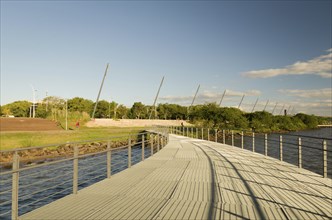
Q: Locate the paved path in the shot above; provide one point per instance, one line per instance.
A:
(194, 179)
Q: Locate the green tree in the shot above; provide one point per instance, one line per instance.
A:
(137, 110)
(233, 118)
(261, 121)
(80, 104)
(5, 110)
(310, 121)
(41, 111)
(122, 112)
(17, 108)
(177, 111)
(102, 109)
(54, 102)
(212, 115)
(112, 109)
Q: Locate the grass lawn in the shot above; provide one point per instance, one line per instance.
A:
(12, 140)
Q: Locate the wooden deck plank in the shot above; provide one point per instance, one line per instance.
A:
(195, 179)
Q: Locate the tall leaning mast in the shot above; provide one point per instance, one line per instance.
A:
(101, 87)
(155, 100)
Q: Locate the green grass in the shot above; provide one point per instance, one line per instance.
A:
(12, 140)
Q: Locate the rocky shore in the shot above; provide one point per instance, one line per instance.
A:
(40, 155)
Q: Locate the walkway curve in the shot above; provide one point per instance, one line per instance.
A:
(195, 179)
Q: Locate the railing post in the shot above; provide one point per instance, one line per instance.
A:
(216, 135)
(208, 134)
(265, 144)
(232, 132)
(143, 146)
(324, 159)
(15, 185)
(300, 152)
(196, 133)
(109, 155)
(192, 132)
(129, 152)
(167, 139)
(151, 140)
(75, 170)
(202, 133)
(223, 137)
(187, 132)
(163, 140)
(242, 141)
(158, 143)
(280, 147)
(253, 141)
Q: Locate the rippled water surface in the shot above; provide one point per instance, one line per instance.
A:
(41, 186)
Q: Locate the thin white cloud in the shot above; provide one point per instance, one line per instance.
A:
(209, 96)
(247, 93)
(320, 66)
(324, 93)
(175, 98)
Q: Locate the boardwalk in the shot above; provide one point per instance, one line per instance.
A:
(194, 179)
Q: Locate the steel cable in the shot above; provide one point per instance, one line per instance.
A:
(6, 191)
(86, 181)
(45, 171)
(54, 186)
(5, 213)
(45, 180)
(5, 203)
(26, 205)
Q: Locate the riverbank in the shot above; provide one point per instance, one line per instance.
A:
(125, 123)
(22, 139)
(41, 155)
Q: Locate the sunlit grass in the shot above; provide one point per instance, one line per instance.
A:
(12, 140)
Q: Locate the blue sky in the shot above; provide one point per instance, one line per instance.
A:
(272, 50)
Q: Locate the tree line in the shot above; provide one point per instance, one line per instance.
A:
(207, 115)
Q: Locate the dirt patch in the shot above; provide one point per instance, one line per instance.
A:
(40, 155)
(134, 123)
(27, 124)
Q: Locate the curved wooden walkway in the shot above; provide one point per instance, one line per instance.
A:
(195, 179)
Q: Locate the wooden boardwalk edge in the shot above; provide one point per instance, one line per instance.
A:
(195, 179)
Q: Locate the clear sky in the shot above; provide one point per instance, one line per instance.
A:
(272, 50)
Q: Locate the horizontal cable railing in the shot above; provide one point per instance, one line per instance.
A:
(309, 152)
(27, 187)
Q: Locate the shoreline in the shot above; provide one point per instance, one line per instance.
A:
(42, 155)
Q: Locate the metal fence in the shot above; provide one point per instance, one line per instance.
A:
(304, 151)
(25, 187)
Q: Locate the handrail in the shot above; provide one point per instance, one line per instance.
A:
(65, 143)
(264, 140)
(81, 172)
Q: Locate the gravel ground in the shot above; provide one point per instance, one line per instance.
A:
(134, 123)
(27, 124)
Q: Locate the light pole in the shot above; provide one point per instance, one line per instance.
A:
(33, 101)
(66, 114)
(46, 101)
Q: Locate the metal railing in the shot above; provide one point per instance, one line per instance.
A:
(24, 188)
(291, 148)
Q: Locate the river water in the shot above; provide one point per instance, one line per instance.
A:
(43, 185)
(312, 142)
(40, 186)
